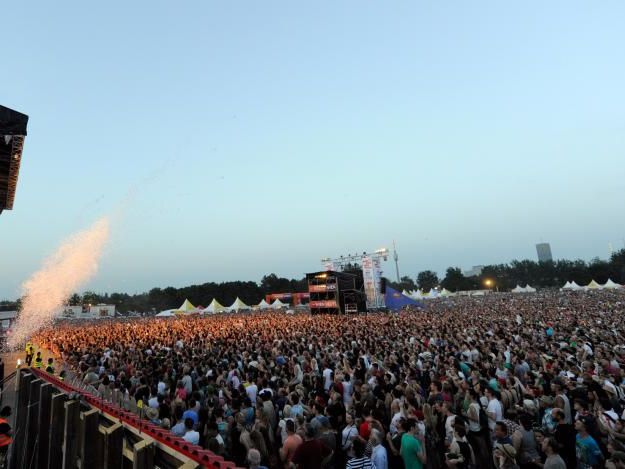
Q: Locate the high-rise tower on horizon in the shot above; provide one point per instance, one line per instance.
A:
(544, 252)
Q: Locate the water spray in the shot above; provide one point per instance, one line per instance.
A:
(45, 293)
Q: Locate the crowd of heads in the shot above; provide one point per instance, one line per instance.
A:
(496, 381)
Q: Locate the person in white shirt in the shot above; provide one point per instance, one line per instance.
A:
(378, 453)
(190, 436)
(494, 410)
(161, 387)
(251, 390)
(327, 378)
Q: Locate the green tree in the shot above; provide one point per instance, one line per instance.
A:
(74, 300)
(427, 280)
(455, 280)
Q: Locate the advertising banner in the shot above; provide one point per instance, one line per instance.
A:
(369, 280)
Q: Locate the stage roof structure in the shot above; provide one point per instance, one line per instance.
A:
(12, 133)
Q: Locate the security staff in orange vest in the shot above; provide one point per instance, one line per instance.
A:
(5, 434)
(38, 361)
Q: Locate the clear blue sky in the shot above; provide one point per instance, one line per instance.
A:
(262, 136)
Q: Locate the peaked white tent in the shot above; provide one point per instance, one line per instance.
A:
(431, 294)
(238, 305)
(186, 308)
(263, 305)
(277, 304)
(406, 293)
(611, 285)
(593, 286)
(167, 313)
(575, 286)
(214, 307)
(567, 286)
(529, 289)
(416, 295)
(445, 292)
(518, 289)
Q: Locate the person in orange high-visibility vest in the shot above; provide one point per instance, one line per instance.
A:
(5, 434)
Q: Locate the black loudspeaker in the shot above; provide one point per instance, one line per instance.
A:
(383, 286)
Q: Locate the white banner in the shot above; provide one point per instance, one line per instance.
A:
(369, 279)
(377, 278)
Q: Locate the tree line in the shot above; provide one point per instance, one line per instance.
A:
(158, 299)
(504, 277)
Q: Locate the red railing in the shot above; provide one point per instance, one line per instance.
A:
(206, 458)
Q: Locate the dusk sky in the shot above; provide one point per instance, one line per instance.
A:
(258, 137)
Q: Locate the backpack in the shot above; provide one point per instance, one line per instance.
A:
(483, 419)
(467, 454)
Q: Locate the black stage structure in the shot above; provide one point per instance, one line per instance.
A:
(12, 133)
(336, 292)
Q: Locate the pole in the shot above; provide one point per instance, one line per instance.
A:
(396, 258)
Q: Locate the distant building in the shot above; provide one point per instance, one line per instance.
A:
(474, 272)
(544, 252)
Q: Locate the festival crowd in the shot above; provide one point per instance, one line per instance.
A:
(501, 381)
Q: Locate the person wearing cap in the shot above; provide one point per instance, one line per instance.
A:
(504, 456)
(587, 450)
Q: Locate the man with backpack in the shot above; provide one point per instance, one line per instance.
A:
(460, 453)
(479, 434)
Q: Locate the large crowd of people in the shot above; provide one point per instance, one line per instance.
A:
(499, 381)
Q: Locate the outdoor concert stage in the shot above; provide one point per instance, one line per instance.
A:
(336, 293)
(12, 133)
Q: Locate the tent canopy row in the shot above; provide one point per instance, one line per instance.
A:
(593, 285)
(433, 293)
(216, 307)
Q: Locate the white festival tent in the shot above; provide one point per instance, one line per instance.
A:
(167, 313)
(518, 289)
(277, 304)
(187, 308)
(238, 305)
(593, 286)
(529, 289)
(406, 293)
(567, 286)
(611, 285)
(445, 292)
(263, 305)
(416, 295)
(430, 295)
(574, 286)
(214, 307)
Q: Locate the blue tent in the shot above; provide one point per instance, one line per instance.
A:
(395, 300)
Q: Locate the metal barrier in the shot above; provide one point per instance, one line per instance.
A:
(206, 458)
